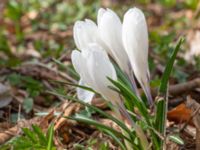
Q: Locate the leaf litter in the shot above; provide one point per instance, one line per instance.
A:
(26, 62)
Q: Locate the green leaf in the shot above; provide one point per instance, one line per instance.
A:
(160, 118)
(122, 77)
(168, 69)
(176, 139)
(60, 64)
(104, 146)
(161, 104)
(14, 79)
(138, 103)
(28, 104)
(76, 85)
(115, 138)
(40, 134)
(127, 93)
(50, 134)
(118, 122)
(30, 134)
(160, 111)
(89, 121)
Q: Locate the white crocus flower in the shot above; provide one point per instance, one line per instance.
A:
(110, 30)
(135, 40)
(94, 66)
(86, 32)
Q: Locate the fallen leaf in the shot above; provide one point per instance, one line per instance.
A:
(180, 114)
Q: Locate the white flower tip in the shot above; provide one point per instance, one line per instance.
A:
(101, 11)
(109, 18)
(89, 22)
(135, 13)
(110, 13)
(74, 54)
(104, 13)
(109, 10)
(78, 24)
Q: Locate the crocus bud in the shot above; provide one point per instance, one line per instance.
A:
(110, 30)
(85, 32)
(94, 66)
(135, 40)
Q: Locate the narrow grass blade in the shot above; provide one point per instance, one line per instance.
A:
(76, 85)
(139, 104)
(122, 77)
(160, 118)
(168, 69)
(162, 101)
(118, 122)
(115, 138)
(81, 118)
(50, 134)
(127, 93)
(176, 139)
(40, 134)
(30, 134)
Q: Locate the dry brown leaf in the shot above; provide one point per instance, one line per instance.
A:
(13, 131)
(179, 114)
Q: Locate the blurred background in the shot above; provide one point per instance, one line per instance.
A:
(40, 32)
(34, 29)
(36, 42)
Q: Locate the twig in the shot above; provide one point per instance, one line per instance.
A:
(181, 87)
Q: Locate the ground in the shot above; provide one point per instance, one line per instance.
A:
(36, 41)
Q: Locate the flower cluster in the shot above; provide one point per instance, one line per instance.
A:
(126, 43)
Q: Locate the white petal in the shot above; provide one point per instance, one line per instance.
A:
(101, 11)
(76, 30)
(76, 58)
(79, 63)
(135, 40)
(83, 94)
(100, 68)
(84, 32)
(110, 29)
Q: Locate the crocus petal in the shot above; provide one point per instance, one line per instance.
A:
(100, 68)
(84, 32)
(101, 11)
(76, 58)
(79, 63)
(110, 29)
(83, 94)
(135, 40)
(94, 66)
